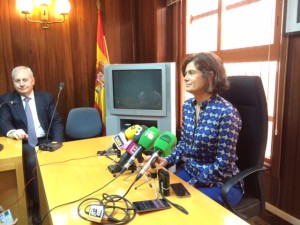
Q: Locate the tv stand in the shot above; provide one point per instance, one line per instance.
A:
(125, 123)
(115, 123)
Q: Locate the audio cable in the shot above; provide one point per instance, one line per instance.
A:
(112, 209)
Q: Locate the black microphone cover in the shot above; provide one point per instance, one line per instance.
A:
(116, 168)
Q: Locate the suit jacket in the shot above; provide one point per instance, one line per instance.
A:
(14, 117)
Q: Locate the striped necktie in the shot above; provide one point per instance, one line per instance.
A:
(32, 139)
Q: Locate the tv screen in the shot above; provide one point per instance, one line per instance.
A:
(140, 93)
(137, 89)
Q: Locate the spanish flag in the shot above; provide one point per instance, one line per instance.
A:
(102, 59)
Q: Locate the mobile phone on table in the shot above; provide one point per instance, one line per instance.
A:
(151, 205)
(180, 190)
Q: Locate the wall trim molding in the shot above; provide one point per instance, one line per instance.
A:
(283, 215)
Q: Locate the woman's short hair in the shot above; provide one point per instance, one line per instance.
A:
(209, 63)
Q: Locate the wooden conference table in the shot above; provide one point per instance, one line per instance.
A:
(75, 171)
(12, 188)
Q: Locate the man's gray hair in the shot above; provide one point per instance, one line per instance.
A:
(21, 69)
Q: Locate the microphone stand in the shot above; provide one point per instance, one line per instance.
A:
(138, 167)
(114, 160)
(52, 146)
(153, 176)
(131, 168)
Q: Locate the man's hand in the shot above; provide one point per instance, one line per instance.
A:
(18, 134)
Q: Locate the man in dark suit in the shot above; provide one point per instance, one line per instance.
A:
(16, 123)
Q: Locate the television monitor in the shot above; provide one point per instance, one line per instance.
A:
(142, 93)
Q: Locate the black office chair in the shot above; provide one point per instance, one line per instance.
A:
(247, 94)
(82, 123)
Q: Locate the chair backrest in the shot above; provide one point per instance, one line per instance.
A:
(247, 94)
(82, 123)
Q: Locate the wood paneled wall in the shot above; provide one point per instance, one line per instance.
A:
(135, 32)
(290, 172)
(64, 52)
(284, 190)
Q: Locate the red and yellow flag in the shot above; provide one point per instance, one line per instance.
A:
(102, 59)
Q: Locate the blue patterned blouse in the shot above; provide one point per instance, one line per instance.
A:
(209, 147)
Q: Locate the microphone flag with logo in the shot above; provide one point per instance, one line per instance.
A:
(163, 146)
(125, 157)
(122, 138)
(145, 143)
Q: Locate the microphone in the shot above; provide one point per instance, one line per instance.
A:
(146, 142)
(121, 139)
(9, 103)
(163, 146)
(53, 145)
(125, 157)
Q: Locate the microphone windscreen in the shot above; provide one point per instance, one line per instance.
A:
(61, 85)
(139, 133)
(149, 137)
(130, 131)
(165, 143)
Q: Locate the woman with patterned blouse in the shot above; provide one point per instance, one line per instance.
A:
(210, 129)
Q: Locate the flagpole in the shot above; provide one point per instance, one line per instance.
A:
(98, 3)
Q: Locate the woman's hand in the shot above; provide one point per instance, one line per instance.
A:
(161, 161)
